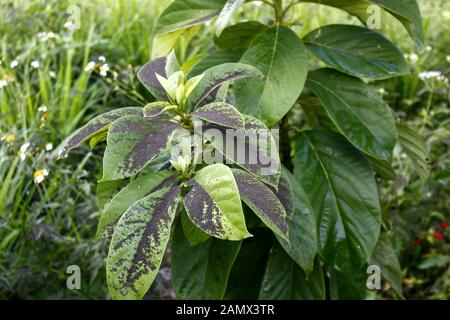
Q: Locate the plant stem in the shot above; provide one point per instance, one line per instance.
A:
(429, 101)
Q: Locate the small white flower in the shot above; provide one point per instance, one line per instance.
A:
(35, 64)
(448, 59)
(104, 70)
(1, 62)
(39, 176)
(90, 66)
(102, 59)
(43, 108)
(429, 49)
(3, 83)
(381, 91)
(414, 58)
(52, 74)
(431, 75)
(14, 64)
(24, 147)
(22, 156)
(69, 25)
(49, 146)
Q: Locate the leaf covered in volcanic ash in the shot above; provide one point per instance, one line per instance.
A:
(139, 242)
(222, 114)
(133, 141)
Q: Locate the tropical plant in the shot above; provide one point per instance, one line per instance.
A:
(302, 223)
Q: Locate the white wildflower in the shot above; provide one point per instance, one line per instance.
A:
(102, 59)
(69, 25)
(3, 83)
(104, 70)
(39, 176)
(90, 66)
(14, 64)
(381, 91)
(46, 36)
(24, 147)
(35, 64)
(22, 156)
(414, 58)
(429, 49)
(49, 146)
(430, 75)
(52, 74)
(43, 108)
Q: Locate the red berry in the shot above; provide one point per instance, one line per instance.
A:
(438, 235)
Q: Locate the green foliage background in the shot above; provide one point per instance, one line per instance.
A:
(48, 226)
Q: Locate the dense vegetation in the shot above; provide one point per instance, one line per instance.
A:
(59, 77)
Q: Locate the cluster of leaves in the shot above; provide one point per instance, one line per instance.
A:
(316, 215)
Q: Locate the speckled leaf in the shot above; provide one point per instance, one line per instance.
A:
(302, 245)
(133, 141)
(357, 110)
(285, 280)
(231, 6)
(213, 204)
(95, 126)
(262, 201)
(138, 244)
(285, 192)
(155, 109)
(341, 187)
(222, 114)
(147, 76)
(192, 233)
(240, 35)
(136, 190)
(217, 76)
(357, 51)
(201, 271)
(281, 56)
(255, 150)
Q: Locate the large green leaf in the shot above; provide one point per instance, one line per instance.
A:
(358, 51)
(133, 141)
(147, 76)
(415, 147)
(192, 233)
(406, 11)
(348, 286)
(136, 190)
(342, 190)
(95, 126)
(201, 271)
(264, 203)
(248, 269)
(253, 149)
(303, 244)
(285, 280)
(179, 16)
(216, 76)
(214, 205)
(231, 6)
(215, 59)
(386, 259)
(357, 110)
(222, 114)
(139, 242)
(240, 35)
(282, 58)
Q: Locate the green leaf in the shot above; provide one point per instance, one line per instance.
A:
(282, 58)
(248, 269)
(133, 141)
(357, 110)
(179, 16)
(406, 11)
(342, 190)
(386, 259)
(201, 271)
(226, 14)
(415, 147)
(222, 114)
(192, 233)
(215, 59)
(262, 201)
(383, 168)
(214, 204)
(348, 287)
(285, 192)
(136, 190)
(240, 35)
(357, 51)
(106, 191)
(95, 126)
(216, 76)
(147, 76)
(172, 64)
(138, 244)
(255, 149)
(156, 109)
(285, 280)
(302, 245)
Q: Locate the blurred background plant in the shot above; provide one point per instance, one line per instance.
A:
(55, 75)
